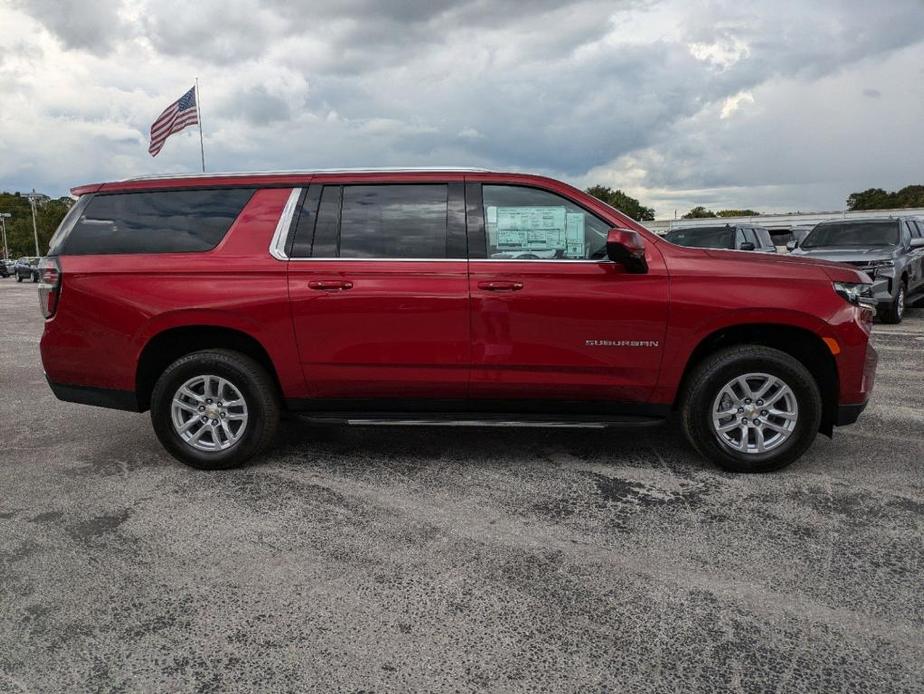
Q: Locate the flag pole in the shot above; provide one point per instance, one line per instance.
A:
(199, 118)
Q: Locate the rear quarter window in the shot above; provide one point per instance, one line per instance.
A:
(180, 221)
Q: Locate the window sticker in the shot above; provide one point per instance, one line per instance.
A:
(532, 229)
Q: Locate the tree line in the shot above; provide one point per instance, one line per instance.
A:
(19, 234)
(870, 199)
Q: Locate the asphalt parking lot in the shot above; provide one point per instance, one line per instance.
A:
(355, 559)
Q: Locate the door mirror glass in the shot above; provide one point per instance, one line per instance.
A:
(627, 248)
(746, 246)
(792, 245)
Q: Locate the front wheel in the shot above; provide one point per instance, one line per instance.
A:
(18, 277)
(751, 409)
(215, 409)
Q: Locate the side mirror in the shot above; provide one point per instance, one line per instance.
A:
(627, 248)
(792, 245)
(917, 243)
(746, 246)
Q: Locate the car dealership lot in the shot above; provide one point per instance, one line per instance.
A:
(395, 558)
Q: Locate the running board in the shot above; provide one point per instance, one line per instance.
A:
(458, 419)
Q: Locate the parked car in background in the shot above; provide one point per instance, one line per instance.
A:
(731, 237)
(797, 235)
(407, 297)
(6, 268)
(891, 251)
(27, 268)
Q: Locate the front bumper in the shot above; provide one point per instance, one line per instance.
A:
(848, 414)
(882, 290)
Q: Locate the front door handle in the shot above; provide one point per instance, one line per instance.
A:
(496, 286)
(330, 285)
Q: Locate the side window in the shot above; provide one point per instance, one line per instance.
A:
(739, 237)
(750, 236)
(528, 223)
(906, 233)
(156, 222)
(764, 237)
(393, 221)
(914, 228)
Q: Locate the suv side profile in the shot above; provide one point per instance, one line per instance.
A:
(736, 237)
(891, 251)
(459, 297)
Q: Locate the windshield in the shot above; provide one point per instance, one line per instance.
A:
(703, 237)
(856, 234)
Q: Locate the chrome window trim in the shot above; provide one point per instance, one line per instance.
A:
(451, 260)
(277, 247)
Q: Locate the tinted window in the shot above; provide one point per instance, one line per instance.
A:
(859, 234)
(703, 237)
(764, 237)
(392, 221)
(160, 222)
(327, 229)
(535, 224)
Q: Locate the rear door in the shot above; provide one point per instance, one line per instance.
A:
(552, 318)
(379, 290)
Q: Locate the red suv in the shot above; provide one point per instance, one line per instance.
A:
(461, 297)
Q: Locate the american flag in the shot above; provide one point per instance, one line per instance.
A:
(178, 115)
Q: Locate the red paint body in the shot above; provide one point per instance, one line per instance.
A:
(453, 329)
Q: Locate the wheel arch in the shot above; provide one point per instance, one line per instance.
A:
(801, 343)
(168, 345)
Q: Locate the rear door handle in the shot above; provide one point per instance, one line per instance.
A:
(330, 285)
(496, 286)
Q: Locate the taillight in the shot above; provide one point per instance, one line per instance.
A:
(49, 285)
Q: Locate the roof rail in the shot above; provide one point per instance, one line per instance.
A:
(308, 172)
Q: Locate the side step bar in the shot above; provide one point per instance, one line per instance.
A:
(460, 419)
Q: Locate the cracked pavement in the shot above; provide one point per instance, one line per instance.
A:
(364, 559)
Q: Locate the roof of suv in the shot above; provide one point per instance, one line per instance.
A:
(282, 178)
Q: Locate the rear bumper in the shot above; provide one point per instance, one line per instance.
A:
(100, 397)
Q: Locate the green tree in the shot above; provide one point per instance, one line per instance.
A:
(699, 212)
(19, 234)
(622, 202)
(879, 199)
(737, 213)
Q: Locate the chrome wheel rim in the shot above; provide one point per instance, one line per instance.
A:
(900, 304)
(209, 413)
(754, 413)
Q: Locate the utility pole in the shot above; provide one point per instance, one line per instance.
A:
(32, 198)
(3, 217)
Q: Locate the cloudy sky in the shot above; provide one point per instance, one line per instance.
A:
(771, 104)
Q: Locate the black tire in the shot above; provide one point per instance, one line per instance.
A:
(255, 385)
(18, 277)
(35, 278)
(720, 368)
(894, 311)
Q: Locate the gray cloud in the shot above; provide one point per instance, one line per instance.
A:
(668, 94)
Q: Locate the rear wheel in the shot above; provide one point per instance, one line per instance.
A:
(895, 311)
(751, 409)
(215, 409)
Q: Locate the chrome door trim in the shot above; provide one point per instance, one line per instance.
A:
(277, 247)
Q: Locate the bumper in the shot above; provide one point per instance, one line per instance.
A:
(100, 397)
(882, 289)
(848, 414)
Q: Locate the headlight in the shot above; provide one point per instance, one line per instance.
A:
(876, 268)
(855, 293)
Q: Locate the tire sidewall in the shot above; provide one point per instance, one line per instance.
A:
(808, 400)
(202, 364)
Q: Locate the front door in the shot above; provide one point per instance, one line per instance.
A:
(552, 319)
(379, 292)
